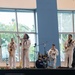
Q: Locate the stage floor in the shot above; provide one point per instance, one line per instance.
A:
(37, 71)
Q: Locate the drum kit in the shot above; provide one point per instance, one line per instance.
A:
(42, 59)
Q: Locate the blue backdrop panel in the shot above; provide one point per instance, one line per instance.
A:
(47, 25)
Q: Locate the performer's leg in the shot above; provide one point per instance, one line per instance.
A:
(70, 59)
(48, 63)
(21, 63)
(54, 63)
(10, 61)
(51, 62)
(27, 58)
(14, 62)
(22, 59)
(66, 59)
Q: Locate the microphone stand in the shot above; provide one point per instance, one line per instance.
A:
(34, 55)
(46, 55)
(44, 44)
(6, 61)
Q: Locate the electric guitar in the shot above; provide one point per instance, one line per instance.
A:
(68, 45)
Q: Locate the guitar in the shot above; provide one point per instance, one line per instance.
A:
(68, 45)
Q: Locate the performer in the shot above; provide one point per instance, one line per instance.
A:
(40, 63)
(69, 46)
(20, 47)
(53, 53)
(11, 49)
(25, 50)
(73, 62)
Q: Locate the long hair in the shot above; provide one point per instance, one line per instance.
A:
(26, 35)
(70, 35)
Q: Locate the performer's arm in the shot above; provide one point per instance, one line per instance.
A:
(57, 52)
(28, 44)
(49, 52)
(15, 46)
(8, 47)
(73, 43)
(65, 45)
(19, 38)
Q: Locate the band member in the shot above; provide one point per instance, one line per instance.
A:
(11, 49)
(69, 46)
(39, 63)
(53, 53)
(25, 50)
(20, 47)
(73, 62)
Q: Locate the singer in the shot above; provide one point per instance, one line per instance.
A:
(25, 41)
(11, 49)
(69, 46)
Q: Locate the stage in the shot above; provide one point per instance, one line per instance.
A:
(40, 71)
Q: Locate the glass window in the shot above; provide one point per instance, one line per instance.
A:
(26, 21)
(65, 23)
(74, 22)
(62, 39)
(7, 19)
(8, 29)
(65, 26)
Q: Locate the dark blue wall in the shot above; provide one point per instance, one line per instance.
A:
(47, 25)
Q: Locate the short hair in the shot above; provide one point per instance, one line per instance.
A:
(53, 44)
(12, 38)
(70, 35)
